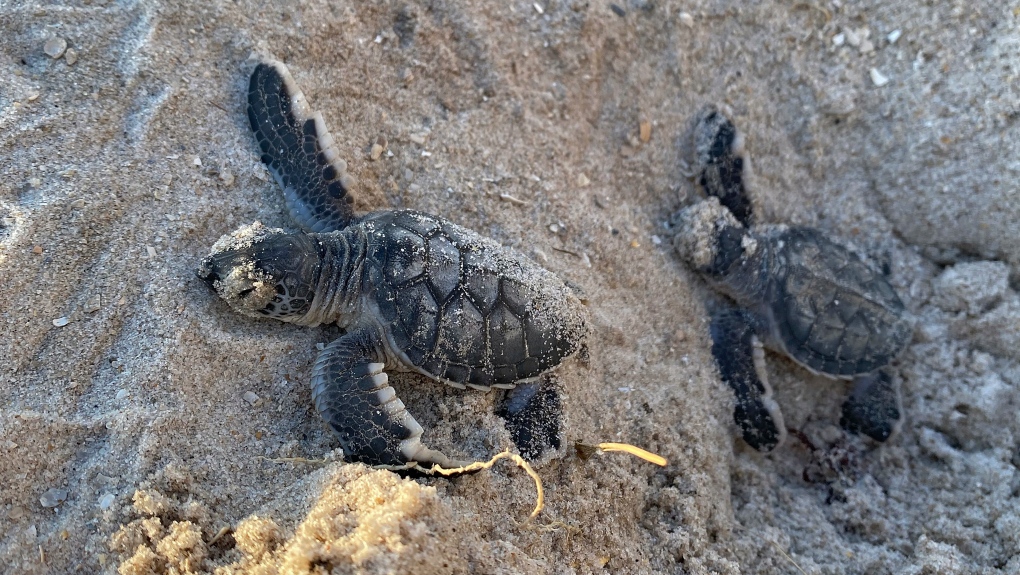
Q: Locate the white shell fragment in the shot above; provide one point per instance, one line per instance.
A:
(61, 321)
(55, 47)
(878, 78)
(53, 497)
(106, 501)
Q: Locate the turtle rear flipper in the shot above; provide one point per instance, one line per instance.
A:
(532, 412)
(352, 394)
(740, 358)
(873, 407)
(298, 150)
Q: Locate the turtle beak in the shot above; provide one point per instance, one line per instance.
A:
(209, 272)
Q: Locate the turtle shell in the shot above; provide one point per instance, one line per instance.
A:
(831, 312)
(462, 308)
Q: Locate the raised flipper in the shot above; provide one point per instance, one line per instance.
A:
(351, 392)
(298, 150)
(720, 168)
(873, 407)
(740, 358)
(532, 413)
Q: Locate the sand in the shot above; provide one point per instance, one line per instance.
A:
(144, 427)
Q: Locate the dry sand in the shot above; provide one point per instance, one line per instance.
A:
(126, 441)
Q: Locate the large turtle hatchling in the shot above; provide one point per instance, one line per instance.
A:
(796, 291)
(411, 291)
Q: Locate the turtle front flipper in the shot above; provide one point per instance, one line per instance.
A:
(298, 150)
(721, 163)
(740, 357)
(873, 407)
(352, 394)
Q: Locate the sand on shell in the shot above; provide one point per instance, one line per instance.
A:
(165, 433)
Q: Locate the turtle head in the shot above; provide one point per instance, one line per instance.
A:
(264, 272)
(710, 239)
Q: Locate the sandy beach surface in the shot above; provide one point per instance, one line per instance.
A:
(146, 428)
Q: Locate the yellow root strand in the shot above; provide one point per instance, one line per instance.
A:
(292, 459)
(436, 468)
(479, 465)
(219, 534)
(788, 558)
(635, 451)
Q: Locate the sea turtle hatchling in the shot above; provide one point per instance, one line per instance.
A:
(796, 291)
(411, 291)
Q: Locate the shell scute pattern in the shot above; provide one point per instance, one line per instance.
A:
(835, 314)
(443, 286)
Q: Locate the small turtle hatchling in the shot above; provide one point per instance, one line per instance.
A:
(411, 291)
(796, 292)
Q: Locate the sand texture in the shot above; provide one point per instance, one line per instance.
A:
(147, 428)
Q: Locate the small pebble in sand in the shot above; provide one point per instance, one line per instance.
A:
(893, 36)
(839, 39)
(61, 322)
(150, 251)
(645, 131)
(853, 37)
(37, 250)
(251, 397)
(538, 8)
(70, 56)
(227, 177)
(53, 497)
(55, 47)
(16, 512)
(686, 19)
(121, 394)
(106, 501)
(376, 152)
(582, 181)
(878, 78)
(94, 303)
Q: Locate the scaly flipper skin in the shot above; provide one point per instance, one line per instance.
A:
(298, 150)
(352, 394)
(873, 407)
(532, 415)
(734, 347)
